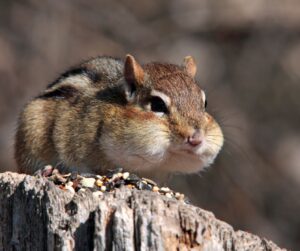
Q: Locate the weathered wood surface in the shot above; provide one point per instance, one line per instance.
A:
(37, 215)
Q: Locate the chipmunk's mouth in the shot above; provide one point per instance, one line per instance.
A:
(203, 152)
(188, 149)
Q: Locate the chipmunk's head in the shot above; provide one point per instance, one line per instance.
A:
(165, 122)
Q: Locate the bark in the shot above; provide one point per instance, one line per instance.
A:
(37, 215)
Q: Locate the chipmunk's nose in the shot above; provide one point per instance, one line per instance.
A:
(196, 138)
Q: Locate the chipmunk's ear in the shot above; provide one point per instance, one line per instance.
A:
(133, 72)
(134, 76)
(189, 65)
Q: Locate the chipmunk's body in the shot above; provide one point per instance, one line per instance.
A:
(107, 113)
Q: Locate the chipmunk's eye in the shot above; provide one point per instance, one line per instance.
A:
(205, 103)
(158, 105)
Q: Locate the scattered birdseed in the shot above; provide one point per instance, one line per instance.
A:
(97, 184)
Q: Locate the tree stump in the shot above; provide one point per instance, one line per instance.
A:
(35, 214)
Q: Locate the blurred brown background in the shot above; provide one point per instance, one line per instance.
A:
(248, 55)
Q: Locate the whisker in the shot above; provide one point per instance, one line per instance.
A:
(213, 139)
(233, 127)
(214, 136)
(241, 150)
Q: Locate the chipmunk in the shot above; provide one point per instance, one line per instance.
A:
(108, 113)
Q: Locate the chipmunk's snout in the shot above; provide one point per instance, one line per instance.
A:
(196, 138)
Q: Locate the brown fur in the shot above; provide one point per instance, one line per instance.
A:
(94, 112)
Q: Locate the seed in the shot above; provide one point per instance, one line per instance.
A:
(103, 188)
(88, 182)
(168, 195)
(99, 183)
(177, 195)
(165, 189)
(180, 197)
(155, 189)
(143, 186)
(125, 175)
(151, 182)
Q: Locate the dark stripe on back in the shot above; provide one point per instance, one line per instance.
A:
(92, 75)
(62, 92)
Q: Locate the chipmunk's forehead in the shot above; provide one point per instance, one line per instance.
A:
(182, 89)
